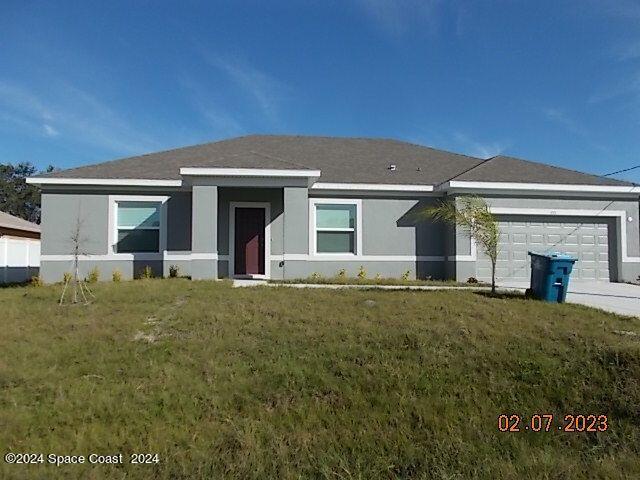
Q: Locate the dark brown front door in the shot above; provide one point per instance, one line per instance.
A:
(249, 241)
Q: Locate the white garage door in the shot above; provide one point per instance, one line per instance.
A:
(584, 238)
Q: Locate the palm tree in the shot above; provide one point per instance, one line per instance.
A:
(473, 215)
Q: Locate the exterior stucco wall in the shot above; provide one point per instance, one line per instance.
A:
(198, 222)
(179, 222)
(60, 216)
(396, 226)
(61, 212)
(391, 227)
(296, 220)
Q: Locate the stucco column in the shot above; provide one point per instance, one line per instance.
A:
(296, 230)
(204, 232)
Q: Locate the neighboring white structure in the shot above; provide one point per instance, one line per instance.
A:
(19, 249)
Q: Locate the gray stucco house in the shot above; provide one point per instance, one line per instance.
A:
(289, 206)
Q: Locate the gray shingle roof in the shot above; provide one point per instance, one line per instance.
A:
(350, 160)
(16, 223)
(509, 169)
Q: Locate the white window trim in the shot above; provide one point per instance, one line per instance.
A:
(113, 226)
(313, 249)
(267, 236)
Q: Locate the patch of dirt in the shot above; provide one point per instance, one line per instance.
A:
(627, 333)
(158, 321)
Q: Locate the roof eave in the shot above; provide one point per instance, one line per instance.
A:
(459, 186)
(126, 182)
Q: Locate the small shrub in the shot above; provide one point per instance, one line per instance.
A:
(146, 273)
(94, 275)
(342, 274)
(378, 277)
(362, 273)
(315, 276)
(406, 275)
(36, 281)
(174, 270)
(66, 277)
(116, 276)
(472, 280)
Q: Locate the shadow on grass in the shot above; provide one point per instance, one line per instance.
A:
(504, 295)
(26, 283)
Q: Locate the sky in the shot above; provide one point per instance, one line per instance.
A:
(552, 81)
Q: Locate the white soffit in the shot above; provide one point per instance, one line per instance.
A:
(248, 172)
(134, 182)
(382, 187)
(542, 187)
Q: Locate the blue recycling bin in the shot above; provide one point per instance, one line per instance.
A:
(550, 276)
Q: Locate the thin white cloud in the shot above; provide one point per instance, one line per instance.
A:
(49, 131)
(628, 51)
(205, 103)
(629, 87)
(479, 149)
(65, 110)
(396, 17)
(559, 117)
(626, 9)
(264, 89)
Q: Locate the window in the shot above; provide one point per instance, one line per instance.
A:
(138, 225)
(336, 227)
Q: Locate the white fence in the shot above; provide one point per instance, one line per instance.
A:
(19, 259)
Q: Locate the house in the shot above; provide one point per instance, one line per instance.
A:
(288, 206)
(19, 249)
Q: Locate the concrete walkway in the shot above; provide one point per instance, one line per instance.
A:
(621, 298)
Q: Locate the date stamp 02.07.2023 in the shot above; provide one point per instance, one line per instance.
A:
(548, 422)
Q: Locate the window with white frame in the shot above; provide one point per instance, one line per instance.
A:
(336, 227)
(138, 227)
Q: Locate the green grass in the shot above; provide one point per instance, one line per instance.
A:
(378, 281)
(286, 383)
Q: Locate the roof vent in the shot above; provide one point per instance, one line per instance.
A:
(391, 167)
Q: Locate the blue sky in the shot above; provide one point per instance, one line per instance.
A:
(554, 81)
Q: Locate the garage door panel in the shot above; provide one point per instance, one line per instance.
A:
(586, 239)
(519, 255)
(571, 240)
(520, 238)
(536, 239)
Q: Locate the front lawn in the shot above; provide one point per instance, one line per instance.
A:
(286, 383)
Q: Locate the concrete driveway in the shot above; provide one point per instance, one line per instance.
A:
(621, 298)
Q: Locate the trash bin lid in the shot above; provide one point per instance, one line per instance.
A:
(554, 255)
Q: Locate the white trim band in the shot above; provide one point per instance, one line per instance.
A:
(380, 187)
(126, 182)
(248, 172)
(113, 257)
(544, 187)
(360, 258)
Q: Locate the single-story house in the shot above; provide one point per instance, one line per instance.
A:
(19, 249)
(290, 206)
